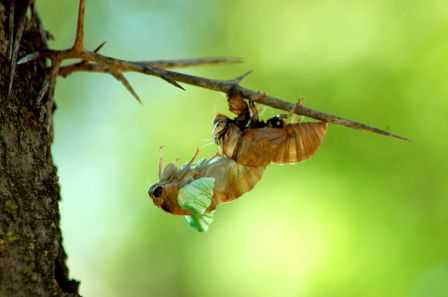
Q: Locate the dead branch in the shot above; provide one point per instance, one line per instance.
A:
(92, 61)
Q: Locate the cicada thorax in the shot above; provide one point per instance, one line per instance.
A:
(270, 142)
(231, 181)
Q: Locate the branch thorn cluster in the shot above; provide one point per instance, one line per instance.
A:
(92, 61)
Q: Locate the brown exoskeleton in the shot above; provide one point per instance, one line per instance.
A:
(225, 179)
(247, 147)
(252, 142)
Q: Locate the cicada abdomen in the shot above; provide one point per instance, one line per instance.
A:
(261, 143)
(231, 178)
(195, 190)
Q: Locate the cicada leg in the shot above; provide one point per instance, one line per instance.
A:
(194, 157)
(238, 106)
(187, 166)
(254, 114)
(294, 118)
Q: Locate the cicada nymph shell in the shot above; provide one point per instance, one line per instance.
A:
(252, 142)
(247, 146)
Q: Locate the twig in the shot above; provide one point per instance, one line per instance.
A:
(182, 63)
(95, 62)
(233, 86)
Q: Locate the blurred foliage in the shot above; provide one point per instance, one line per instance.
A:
(366, 216)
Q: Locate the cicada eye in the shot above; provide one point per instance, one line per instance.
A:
(156, 191)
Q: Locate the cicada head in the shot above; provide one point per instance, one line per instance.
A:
(164, 193)
(164, 196)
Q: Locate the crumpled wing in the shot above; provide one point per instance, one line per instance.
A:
(200, 222)
(197, 196)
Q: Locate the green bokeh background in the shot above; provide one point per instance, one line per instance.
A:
(366, 216)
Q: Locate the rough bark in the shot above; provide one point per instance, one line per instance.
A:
(32, 258)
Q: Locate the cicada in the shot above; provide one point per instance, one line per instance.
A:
(252, 142)
(247, 145)
(196, 189)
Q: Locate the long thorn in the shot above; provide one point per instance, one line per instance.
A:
(119, 76)
(69, 69)
(15, 51)
(99, 47)
(11, 28)
(29, 57)
(163, 76)
(44, 89)
(182, 63)
(79, 41)
(241, 77)
(173, 82)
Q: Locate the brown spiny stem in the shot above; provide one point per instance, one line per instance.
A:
(92, 61)
(181, 63)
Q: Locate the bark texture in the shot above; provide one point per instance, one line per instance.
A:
(32, 258)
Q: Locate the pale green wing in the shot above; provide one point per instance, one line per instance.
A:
(200, 222)
(197, 195)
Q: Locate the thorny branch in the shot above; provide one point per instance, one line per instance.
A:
(92, 61)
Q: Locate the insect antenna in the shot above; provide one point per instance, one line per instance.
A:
(161, 160)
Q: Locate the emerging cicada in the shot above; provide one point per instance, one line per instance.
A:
(247, 146)
(252, 142)
(195, 190)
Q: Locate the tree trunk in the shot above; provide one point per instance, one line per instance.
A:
(32, 258)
